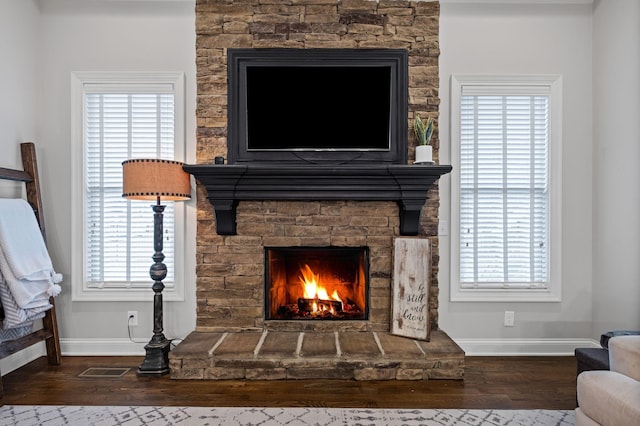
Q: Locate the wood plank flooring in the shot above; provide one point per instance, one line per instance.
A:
(489, 382)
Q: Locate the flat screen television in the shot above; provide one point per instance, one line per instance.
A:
(317, 106)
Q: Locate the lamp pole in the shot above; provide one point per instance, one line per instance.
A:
(156, 361)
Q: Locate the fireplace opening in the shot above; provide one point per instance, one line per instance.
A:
(316, 283)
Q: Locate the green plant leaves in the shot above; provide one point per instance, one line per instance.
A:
(423, 130)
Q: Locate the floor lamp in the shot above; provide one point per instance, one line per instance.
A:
(157, 180)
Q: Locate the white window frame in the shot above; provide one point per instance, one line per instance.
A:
(550, 291)
(81, 290)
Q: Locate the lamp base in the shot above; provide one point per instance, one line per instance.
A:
(156, 361)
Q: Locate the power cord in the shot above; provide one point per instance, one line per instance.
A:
(129, 330)
(173, 345)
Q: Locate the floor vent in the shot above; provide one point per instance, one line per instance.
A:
(104, 372)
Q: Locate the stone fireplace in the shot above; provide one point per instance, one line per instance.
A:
(247, 329)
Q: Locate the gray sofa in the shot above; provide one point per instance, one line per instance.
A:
(612, 397)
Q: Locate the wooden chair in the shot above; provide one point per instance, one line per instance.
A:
(49, 331)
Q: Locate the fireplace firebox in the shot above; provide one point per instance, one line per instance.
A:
(316, 283)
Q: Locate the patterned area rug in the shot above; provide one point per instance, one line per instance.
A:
(209, 416)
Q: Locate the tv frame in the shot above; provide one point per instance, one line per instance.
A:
(237, 144)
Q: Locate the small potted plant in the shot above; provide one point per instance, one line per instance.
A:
(423, 131)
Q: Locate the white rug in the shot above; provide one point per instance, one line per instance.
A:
(28, 415)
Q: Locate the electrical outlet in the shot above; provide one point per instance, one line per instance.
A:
(509, 318)
(443, 228)
(132, 318)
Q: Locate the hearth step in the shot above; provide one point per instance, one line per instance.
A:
(279, 355)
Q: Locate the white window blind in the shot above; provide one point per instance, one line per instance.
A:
(138, 123)
(504, 196)
(504, 191)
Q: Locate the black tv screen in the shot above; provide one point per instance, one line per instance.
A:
(317, 105)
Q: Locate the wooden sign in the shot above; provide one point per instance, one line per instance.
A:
(411, 271)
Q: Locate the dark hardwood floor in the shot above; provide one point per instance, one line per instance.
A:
(490, 382)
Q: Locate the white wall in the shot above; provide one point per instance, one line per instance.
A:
(526, 38)
(616, 180)
(19, 36)
(19, 106)
(76, 35)
(110, 36)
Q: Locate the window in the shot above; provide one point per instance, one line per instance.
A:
(117, 117)
(505, 190)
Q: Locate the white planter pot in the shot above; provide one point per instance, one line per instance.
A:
(424, 154)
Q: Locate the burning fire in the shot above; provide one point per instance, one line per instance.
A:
(313, 290)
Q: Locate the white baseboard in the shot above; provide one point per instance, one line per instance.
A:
(74, 347)
(102, 347)
(524, 347)
(471, 347)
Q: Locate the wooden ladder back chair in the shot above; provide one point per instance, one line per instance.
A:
(49, 330)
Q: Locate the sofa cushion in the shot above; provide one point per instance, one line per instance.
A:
(609, 398)
(583, 420)
(624, 356)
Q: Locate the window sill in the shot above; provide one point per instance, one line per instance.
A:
(501, 295)
(125, 294)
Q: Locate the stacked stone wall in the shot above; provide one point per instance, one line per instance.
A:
(230, 287)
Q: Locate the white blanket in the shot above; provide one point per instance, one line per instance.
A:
(25, 266)
(22, 242)
(15, 318)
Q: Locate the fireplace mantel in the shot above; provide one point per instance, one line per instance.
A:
(227, 184)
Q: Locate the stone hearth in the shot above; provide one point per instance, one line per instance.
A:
(278, 355)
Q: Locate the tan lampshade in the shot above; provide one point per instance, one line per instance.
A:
(148, 179)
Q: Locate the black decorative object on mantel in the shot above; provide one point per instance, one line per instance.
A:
(408, 185)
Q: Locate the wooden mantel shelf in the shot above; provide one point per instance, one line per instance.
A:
(227, 184)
